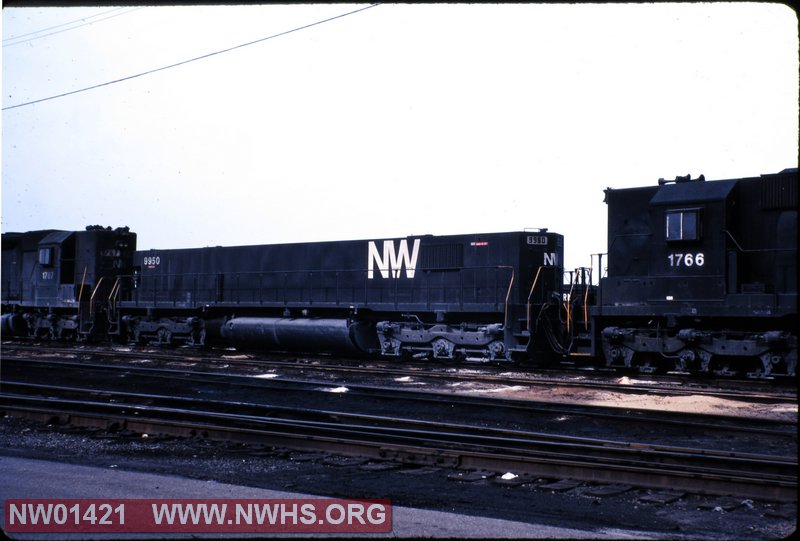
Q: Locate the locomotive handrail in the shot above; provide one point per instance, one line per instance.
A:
(582, 275)
(530, 295)
(626, 235)
(113, 294)
(508, 294)
(262, 286)
(568, 307)
(91, 298)
(586, 302)
(302, 271)
(614, 240)
(83, 282)
(751, 250)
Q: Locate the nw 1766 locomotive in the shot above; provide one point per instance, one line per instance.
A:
(702, 276)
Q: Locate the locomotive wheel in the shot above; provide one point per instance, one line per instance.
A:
(164, 336)
(457, 358)
(646, 367)
(722, 368)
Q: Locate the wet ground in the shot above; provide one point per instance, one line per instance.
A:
(597, 414)
(552, 502)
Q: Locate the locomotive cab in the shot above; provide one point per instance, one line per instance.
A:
(64, 281)
(687, 252)
(702, 277)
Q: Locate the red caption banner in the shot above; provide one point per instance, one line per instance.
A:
(198, 515)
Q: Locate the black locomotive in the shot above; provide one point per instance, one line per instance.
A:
(702, 276)
(446, 297)
(54, 283)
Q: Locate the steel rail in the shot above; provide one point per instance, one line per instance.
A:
(305, 415)
(766, 477)
(705, 421)
(484, 378)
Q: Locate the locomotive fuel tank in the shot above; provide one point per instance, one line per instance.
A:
(325, 335)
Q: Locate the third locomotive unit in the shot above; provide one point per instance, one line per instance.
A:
(701, 277)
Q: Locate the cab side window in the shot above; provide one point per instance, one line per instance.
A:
(46, 256)
(683, 225)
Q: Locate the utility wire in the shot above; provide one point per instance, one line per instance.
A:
(82, 19)
(18, 39)
(191, 59)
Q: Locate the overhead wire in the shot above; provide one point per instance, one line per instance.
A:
(17, 40)
(12, 38)
(195, 59)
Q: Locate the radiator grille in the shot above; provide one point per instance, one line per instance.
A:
(779, 192)
(443, 256)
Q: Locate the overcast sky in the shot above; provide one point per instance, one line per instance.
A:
(392, 121)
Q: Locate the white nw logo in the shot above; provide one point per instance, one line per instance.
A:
(392, 261)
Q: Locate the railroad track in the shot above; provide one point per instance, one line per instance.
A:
(388, 437)
(418, 442)
(347, 370)
(385, 400)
